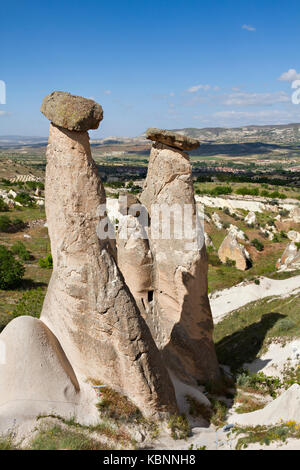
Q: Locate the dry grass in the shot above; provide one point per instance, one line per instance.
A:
(58, 438)
(248, 403)
(118, 407)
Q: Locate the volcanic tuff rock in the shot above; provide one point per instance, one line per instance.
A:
(294, 236)
(72, 112)
(178, 310)
(232, 250)
(290, 258)
(208, 241)
(250, 218)
(88, 305)
(217, 220)
(295, 214)
(237, 233)
(36, 377)
(172, 139)
(135, 260)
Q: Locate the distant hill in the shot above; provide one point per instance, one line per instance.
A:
(14, 141)
(267, 134)
(281, 133)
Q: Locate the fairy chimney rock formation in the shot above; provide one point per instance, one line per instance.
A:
(178, 312)
(232, 250)
(88, 306)
(290, 258)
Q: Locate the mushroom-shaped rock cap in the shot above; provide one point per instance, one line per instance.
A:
(173, 139)
(72, 112)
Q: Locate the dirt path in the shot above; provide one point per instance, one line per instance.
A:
(227, 300)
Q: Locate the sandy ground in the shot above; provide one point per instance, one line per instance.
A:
(227, 300)
(277, 356)
(255, 204)
(284, 408)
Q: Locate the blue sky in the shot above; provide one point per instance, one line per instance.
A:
(168, 64)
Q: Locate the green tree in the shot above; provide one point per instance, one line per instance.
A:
(11, 270)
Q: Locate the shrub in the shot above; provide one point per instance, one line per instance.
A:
(5, 223)
(46, 262)
(257, 244)
(284, 213)
(115, 406)
(283, 234)
(24, 199)
(179, 427)
(6, 182)
(197, 409)
(11, 270)
(220, 190)
(230, 262)
(219, 411)
(245, 191)
(284, 325)
(57, 438)
(6, 443)
(34, 185)
(30, 304)
(3, 206)
(213, 258)
(8, 225)
(20, 250)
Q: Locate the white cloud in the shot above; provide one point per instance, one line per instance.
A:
(3, 113)
(255, 99)
(195, 88)
(107, 92)
(289, 76)
(248, 27)
(171, 94)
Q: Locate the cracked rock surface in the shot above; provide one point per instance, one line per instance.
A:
(88, 305)
(175, 305)
(173, 139)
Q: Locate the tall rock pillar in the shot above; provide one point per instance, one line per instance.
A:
(88, 305)
(180, 318)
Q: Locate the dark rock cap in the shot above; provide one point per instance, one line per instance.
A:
(173, 139)
(72, 112)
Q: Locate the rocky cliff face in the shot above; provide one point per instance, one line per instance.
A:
(88, 305)
(175, 305)
(232, 250)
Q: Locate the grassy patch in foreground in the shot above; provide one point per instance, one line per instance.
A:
(242, 335)
(117, 407)
(57, 438)
(6, 443)
(264, 435)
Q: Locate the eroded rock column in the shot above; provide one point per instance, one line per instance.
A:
(180, 319)
(88, 305)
